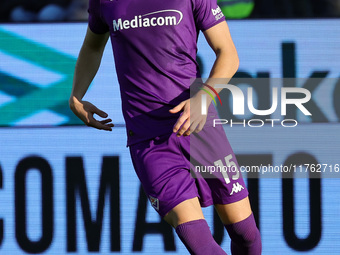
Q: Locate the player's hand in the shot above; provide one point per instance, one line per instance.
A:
(191, 119)
(85, 111)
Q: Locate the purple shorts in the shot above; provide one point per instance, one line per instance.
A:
(173, 169)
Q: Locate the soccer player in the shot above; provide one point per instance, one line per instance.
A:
(155, 45)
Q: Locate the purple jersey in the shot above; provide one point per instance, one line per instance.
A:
(155, 45)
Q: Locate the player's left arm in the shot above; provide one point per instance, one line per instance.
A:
(224, 68)
(227, 61)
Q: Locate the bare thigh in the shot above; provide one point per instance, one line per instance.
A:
(234, 212)
(190, 210)
(186, 211)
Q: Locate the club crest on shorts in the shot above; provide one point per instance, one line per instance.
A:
(236, 188)
(154, 202)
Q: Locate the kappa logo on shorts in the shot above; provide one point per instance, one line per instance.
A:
(236, 188)
(154, 202)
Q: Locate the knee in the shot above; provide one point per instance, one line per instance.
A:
(244, 233)
(246, 237)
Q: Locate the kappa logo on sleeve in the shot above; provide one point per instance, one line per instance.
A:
(217, 13)
(154, 202)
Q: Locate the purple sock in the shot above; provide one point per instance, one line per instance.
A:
(197, 237)
(245, 237)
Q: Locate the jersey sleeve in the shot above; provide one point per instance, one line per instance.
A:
(96, 23)
(207, 14)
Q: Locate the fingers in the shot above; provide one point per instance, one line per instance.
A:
(184, 125)
(180, 126)
(187, 124)
(183, 128)
(106, 121)
(187, 127)
(193, 128)
(184, 118)
(190, 127)
(99, 124)
(200, 126)
(99, 112)
(85, 111)
(102, 125)
(106, 124)
(178, 108)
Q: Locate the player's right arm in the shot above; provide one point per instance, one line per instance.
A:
(87, 65)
